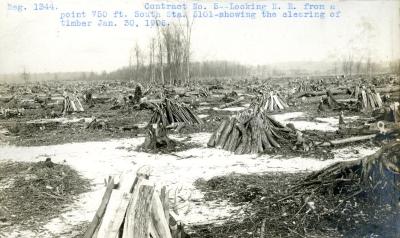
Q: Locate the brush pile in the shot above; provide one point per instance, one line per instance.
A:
(39, 190)
(168, 112)
(203, 92)
(251, 132)
(269, 102)
(9, 113)
(347, 199)
(359, 191)
(328, 102)
(310, 86)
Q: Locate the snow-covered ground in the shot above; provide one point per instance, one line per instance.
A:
(98, 160)
(62, 120)
(320, 124)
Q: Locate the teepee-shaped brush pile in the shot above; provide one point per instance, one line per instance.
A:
(72, 104)
(250, 132)
(269, 102)
(168, 112)
(370, 100)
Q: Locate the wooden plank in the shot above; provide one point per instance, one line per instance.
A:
(271, 103)
(138, 217)
(116, 209)
(100, 212)
(371, 99)
(356, 92)
(278, 103)
(378, 99)
(161, 227)
(72, 103)
(364, 99)
(164, 197)
(78, 105)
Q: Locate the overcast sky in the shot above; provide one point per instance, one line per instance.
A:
(36, 40)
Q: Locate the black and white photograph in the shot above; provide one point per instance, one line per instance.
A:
(199, 119)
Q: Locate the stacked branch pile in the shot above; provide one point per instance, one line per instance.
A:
(170, 112)
(72, 104)
(251, 132)
(368, 98)
(269, 102)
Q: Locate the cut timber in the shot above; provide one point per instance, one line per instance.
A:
(100, 212)
(168, 112)
(72, 104)
(116, 209)
(135, 209)
(251, 132)
(216, 135)
(391, 89)
(320, 93)
(138, 217)
(347, 140)
(269, 101)
(164, 197)
(159, 223)
(378, 100)
(364, 99)
(237, 101)
(370, 99)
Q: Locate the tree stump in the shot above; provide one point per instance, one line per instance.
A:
(157, 139)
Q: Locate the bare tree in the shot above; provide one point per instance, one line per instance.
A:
(138, 57)
(152, 60)
(25, 76)
(188, 37)
(160, 52)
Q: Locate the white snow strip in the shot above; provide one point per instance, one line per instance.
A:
(62, 120)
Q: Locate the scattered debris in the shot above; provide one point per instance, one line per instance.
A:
(343, 199)
(38, 190)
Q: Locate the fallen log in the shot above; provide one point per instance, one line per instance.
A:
(347, 140)
(391, 89)
(237, 101)
(320, 93)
